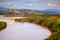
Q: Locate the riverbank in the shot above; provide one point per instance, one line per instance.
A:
(52, 23)
(11, 18)
(23, 31)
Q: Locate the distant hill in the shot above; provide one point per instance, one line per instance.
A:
(52, 11)
(21, 12)
(25, 12)
(3, 9)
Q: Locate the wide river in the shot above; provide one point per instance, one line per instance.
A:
(23, 31)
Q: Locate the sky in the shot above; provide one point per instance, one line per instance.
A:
(31, 4)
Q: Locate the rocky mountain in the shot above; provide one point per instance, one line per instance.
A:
(21, 12)
(24, 12)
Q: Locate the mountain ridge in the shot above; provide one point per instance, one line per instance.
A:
(23, 12)
(27, 12)
(3, 9)
(52, 11)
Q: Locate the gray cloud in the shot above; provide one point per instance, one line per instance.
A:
(42, 4)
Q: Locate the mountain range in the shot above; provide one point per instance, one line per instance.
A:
(52, 11)
(27, 12)
(21, 12)
(3, 9)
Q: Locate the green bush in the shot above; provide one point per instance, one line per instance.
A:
(31, 20)
(54, 36)
(40, 21)
(17, 20)
(53, 26)
(3, 25)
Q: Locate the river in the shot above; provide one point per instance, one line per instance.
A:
(23, 31)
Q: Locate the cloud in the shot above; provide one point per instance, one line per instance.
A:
(10, 3)
(14, 5)
(51, 5)
(34, 0)
(2, 3)
(29, 4)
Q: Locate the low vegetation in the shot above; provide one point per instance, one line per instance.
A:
(54, 36)
(50, 22)
(2, 25)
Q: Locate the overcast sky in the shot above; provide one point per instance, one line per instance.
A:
(30, 4)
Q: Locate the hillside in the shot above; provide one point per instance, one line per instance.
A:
(23, 12)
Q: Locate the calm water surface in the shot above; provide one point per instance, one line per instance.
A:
(23, 31)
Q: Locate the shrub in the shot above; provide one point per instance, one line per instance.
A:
(54, 36)
(53, 26)
(3, 25)
(40, 21)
